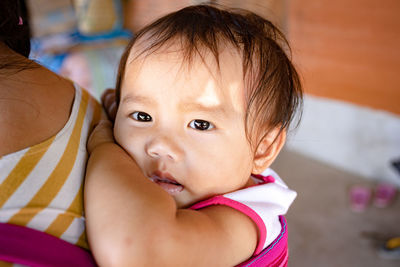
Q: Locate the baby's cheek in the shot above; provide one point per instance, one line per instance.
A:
(121, 136)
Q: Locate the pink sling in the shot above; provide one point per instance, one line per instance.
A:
(30, 247)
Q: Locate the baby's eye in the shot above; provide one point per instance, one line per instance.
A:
(141, 116)
(201, 125)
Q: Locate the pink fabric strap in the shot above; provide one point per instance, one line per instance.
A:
(34, 248)
(275, 255)
(265, 179)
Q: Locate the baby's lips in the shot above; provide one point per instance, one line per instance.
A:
(167, 182)
(170, 188)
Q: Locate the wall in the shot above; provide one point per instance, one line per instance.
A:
(349, 49)
(139, 13)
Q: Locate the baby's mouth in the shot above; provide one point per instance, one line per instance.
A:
(167, 182)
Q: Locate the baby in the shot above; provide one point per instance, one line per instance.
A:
(204, 97)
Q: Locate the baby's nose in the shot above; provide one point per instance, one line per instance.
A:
(164, 147)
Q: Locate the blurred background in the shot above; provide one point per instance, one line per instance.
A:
(343, 159)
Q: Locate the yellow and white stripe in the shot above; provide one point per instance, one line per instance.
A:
(41, 187)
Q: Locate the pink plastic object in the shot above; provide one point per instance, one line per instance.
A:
(384, 195)
(360, 197)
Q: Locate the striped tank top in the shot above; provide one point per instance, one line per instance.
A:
(41, 187)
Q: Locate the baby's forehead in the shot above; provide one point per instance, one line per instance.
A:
(223, 71)
(189, 56)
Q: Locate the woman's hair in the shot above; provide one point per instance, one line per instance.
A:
(272, 85)
(14, 27)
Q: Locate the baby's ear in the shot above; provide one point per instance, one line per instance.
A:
(268, 150)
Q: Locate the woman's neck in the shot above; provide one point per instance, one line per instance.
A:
(11, 61)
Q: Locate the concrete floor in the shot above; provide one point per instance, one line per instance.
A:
(323, 231)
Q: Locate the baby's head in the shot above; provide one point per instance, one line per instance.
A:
(204, 100)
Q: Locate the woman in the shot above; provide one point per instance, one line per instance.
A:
(45, 122)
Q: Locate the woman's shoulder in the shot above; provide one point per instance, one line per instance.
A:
(36, 105)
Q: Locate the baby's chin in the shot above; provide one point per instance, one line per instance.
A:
(183, 203)
(184, 200)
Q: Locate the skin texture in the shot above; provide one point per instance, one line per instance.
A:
(134, 221)
(35, 103)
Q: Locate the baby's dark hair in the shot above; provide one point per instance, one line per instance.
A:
(272, 85)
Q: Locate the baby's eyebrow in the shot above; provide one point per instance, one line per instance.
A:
(127, 99)
(215, 109)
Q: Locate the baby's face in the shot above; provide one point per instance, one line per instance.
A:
(185, 127)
